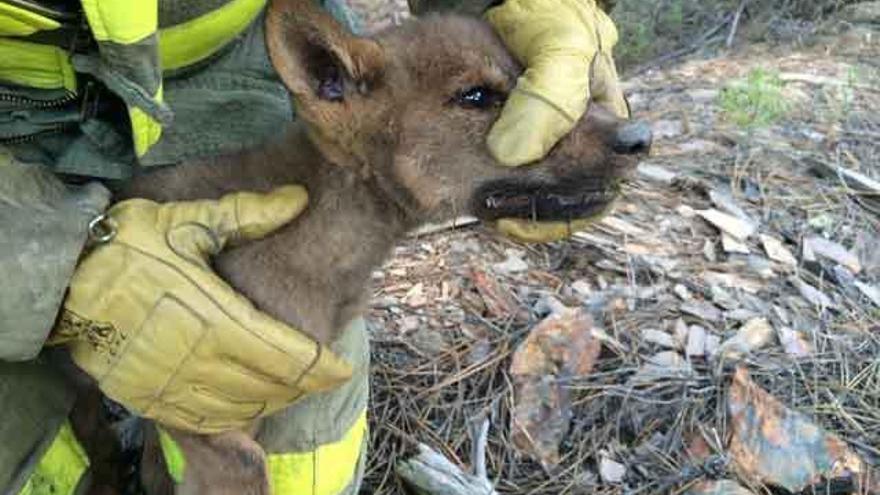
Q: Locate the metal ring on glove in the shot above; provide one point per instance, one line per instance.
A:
(102, 229)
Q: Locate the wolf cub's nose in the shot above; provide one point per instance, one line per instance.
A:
(633, 138)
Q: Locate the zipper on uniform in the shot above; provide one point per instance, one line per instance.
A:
(19, 102)
(24, 101)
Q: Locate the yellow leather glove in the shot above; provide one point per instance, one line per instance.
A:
(566, 47)
(163, 335)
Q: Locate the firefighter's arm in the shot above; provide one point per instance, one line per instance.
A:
(43, 227)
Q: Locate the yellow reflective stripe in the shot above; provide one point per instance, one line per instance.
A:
(15, 21)
(175, 462)
(327, 470)
(144, 130)
(122, 21)
(35, 65)
(196, 40)
(60, 469)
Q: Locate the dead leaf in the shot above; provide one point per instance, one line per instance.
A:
(560, 348)
(774, 445)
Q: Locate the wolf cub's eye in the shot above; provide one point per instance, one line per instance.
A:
(479, 97)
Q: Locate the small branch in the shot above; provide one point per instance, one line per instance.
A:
(453, 224)
(735, 24)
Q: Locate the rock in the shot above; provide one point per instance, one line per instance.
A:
(720, 487)
(867, 246)
(409, 323)
(464, 246)
(686, 211)
(682, 292)
(872, 292)
(794, 343)
(611, 471)
(725, 202)
(733, 281)
(819, 246)
(821, 222)
(661, 366)
(655, 173)
(415, 297)
(776, 251)
(696, 342)
(681, 332)
(740, 314)
(513, 264)
(666, 129)
(549, 305)
(696, 147)
(659, 338)
(813, 295)
(703, 310)
(760, 266)
(771, 444)
(582, 288)
(621, 226)
(709, 251)
(732, 245)
(735, 227)
(754, 335)
(723, 298)
(560, 348)
(713, 345)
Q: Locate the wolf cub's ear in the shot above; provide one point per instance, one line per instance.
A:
(318, 60)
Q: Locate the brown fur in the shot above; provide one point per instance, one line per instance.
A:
(397, 151)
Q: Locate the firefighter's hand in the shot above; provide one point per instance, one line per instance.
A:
(163, 335)
(566, 47)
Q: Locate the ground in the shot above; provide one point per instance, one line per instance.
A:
(734, 291)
